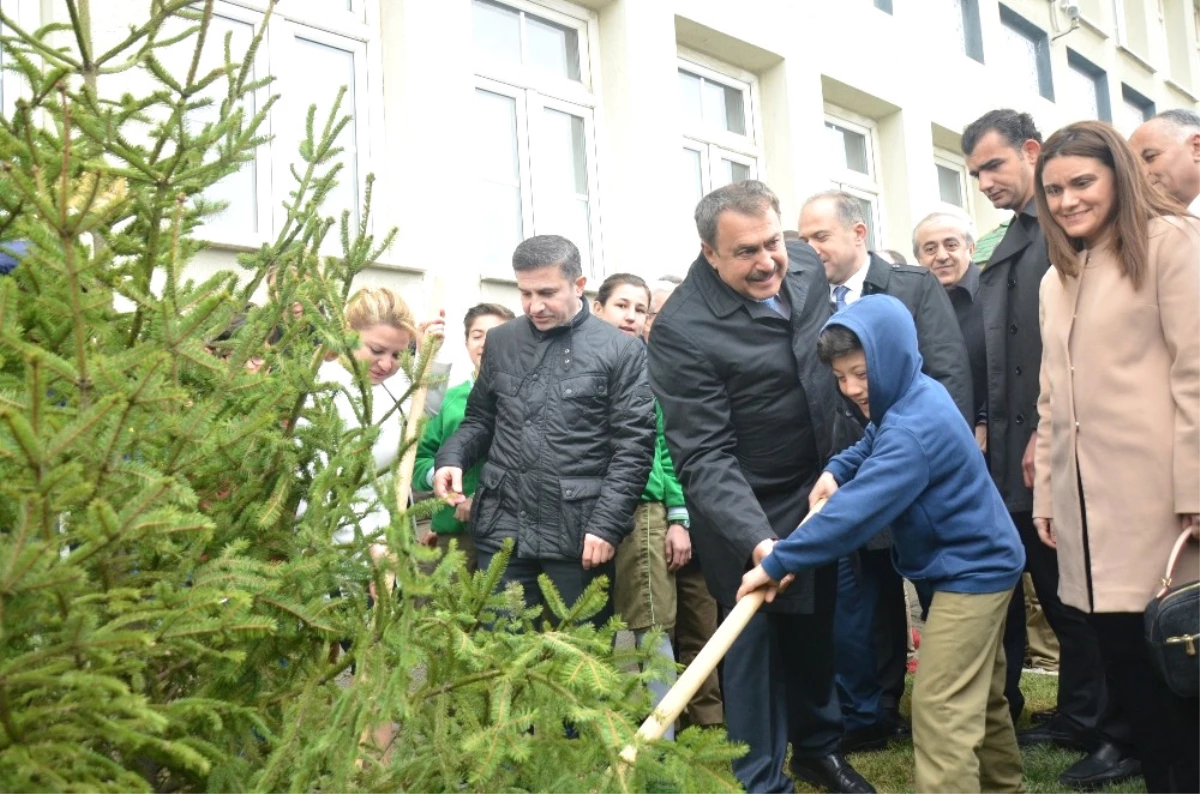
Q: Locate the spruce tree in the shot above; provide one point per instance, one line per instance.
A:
(172, 607)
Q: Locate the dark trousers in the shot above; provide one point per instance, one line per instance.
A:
(1165, 727)
(871, 646)
(1083, 706)
(569, 578)
(779, 688)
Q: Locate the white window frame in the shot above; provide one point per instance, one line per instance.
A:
(958, 164)
(868, 187)
(713, 145)
(28, 15)
(534, 90)
(355, 31)
(581, 21)
(749, 144)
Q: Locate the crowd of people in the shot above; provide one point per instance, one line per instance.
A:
(955, 424)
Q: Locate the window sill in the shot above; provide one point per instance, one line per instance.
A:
(1181, 88)
(1138, 59)
(1093, 26)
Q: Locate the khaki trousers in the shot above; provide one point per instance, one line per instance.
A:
(963, 734)
(695, 622)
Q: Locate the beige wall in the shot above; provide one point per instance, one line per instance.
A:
(901, 73)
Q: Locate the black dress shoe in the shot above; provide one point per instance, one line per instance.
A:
(1038, 717)
(1108, 764)
(832, 772)
(1052, 732)
(867, 739)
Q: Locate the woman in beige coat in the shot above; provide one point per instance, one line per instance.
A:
(1118, 446)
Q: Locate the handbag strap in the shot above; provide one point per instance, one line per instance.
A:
(1184, 537)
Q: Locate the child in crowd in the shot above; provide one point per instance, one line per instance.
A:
(644, 591)
(919, 470)
(450, 523)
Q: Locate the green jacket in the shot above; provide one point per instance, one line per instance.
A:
(437, 430)
(663, 485)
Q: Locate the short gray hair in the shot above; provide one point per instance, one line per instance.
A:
(544, 250)
(963, 223)
(1182, 119)
(751, 197)
(849, 208)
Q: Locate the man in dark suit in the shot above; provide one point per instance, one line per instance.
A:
(1002, 148)
(870, 627)
(749, 421)
(945, 243)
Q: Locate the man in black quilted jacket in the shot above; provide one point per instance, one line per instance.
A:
(563, 413)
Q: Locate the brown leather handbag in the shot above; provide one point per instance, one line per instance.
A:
(1173, 630)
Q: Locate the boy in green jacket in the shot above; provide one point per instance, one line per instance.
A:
(450, 523)
(644, 590)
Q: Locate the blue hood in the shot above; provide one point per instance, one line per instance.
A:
(889, 339)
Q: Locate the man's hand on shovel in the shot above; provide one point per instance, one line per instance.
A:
(756, 577)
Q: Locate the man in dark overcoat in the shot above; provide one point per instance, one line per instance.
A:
(749, 416)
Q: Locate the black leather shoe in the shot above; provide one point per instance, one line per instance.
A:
(1052, 732)
(1038, 717)
(867, 739)
(831, 772)
(1108, 764)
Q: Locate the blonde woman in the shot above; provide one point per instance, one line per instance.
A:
(386, 331)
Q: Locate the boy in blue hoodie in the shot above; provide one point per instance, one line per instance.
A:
(918, 469)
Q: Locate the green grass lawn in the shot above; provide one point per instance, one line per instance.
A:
(891, 770)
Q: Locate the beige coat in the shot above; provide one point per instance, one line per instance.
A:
(1119, 406)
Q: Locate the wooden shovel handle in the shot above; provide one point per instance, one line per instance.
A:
(676, 700)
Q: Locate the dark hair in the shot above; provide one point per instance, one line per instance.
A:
(894, 257)
(1015, 128)
(835, 342)
(1135, 202)
(619, 279)
(749, 197)
(544, 250)
(484, 310)
(676, 280)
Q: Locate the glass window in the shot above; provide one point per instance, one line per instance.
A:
(848, 148)
(712, 104)
(1081, 87)
(499, 209)
(534, 144)
(950, 185)
(323, 70)
(552, 48)
(498, 31)
(513, 36)
(1021, 52)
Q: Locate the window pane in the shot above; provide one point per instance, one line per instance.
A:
(498, 180)
(564, 152)
(1081, 87)
(552, 48)
(239, 190)
(950, 185)
(689, 97)
(323, 70)
(1132, 116)
(849, 149)
(498, 31)
(1020, 52)
(563, 187)
(730, 171)
(724, 107)
(951, 12)
(693, 176)
(869, 213)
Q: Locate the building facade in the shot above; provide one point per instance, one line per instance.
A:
(487, 121)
